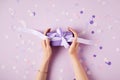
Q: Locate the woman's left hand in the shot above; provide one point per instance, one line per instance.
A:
(47, 50)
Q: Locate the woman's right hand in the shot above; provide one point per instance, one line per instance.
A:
(73, 50)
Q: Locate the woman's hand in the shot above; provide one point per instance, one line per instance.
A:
(79, 71)
(74, 46)
(46, 46)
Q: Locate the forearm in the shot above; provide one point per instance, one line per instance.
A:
(78, 69)
(42, 72)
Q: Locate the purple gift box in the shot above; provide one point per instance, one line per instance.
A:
(56, 38)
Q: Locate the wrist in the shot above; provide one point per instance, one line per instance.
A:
(73, 56)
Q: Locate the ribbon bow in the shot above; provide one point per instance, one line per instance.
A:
(60, 36)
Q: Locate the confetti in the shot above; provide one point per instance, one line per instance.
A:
(99, 31)
(20, 35)
(92, 32)
(17, 57)
(23, 23)
(2, 66)
(93, 16)
(25, 60)
(66, 13)
(103, 2)
(57, 20)
(34, 13)
(91, 22)
(74, 79)
(118, 49)
(100, 47)
(11, 11)
(71, 20)
(14, 67)
(95, 24)
(16, 71)
(6, 37)
(113, 37)
(24, 77)
(94, 55)
(81, 12)
(108, 63)
(53, 5)
(31, 13)
(61, 70)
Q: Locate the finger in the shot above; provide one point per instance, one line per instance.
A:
(74, 42)
(44, 43)
(77, 45)
(73, 31)
(48, 30)
(47, 42)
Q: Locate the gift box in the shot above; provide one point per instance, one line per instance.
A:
(56, 38)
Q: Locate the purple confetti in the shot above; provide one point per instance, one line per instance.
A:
(100, 47)
(92, 32)
(108, 63)
(74, 79)
(81, 12)
(93, 16)
(91, 22)
(34, 13)
(94, 55)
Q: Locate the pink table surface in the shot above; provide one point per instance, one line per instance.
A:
(21, 53)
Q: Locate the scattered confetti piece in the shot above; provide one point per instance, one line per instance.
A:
(81, 12)
(94, 55)
(23, 23)
(57, 20)
(34, 13)
(14, 67)
(66, 13)
(91, 22)
(109, 63)
(53, 5)
(99, 31)
(71, 20)
(118, 49)
(61, 70)
(93, 16)
(16, 71)
(113, 37)
(2, 66)
(24, 77)
(74, 79)
(17, 57)
(100, 47)
(92, 32)
(6, 37)
(11, 11)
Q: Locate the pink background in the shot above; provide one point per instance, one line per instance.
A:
(21, 53)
